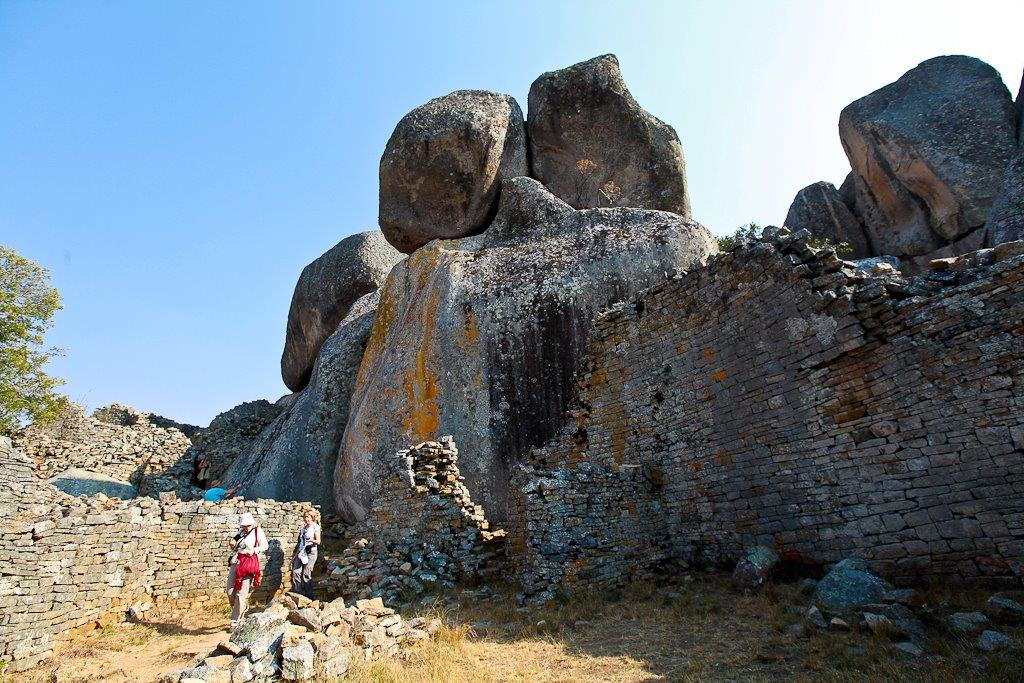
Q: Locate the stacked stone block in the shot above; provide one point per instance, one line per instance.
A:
(67, 564)
(424, 531)
(782, 396)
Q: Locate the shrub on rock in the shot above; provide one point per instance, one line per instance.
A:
(442, 168)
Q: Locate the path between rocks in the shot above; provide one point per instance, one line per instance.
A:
(133, 653)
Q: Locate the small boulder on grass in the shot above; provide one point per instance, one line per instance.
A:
(993, 641)
(1007, 607)
(754, 568)
(849, 585)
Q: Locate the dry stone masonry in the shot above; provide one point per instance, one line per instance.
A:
(423, 532)
(68, 564)
(781, 396)
(116, 441)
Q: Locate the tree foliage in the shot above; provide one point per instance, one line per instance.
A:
(752, 231)
(27, 305)
(744, 233)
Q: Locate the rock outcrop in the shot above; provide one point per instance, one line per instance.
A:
(480, 337)
(593, 146)
(930, 150)
(820, 209)
(78, 482)
(294, 458)
(326, 290)
(442, 168)
(1006, 220)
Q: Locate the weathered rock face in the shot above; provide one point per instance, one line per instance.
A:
(592, 145)
(442, 168)
(294, 458)
(326, 290)
(820, 209)
(479, 337)
(1006, 220)
(930, 149)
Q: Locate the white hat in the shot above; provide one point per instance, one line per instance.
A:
(246, 519)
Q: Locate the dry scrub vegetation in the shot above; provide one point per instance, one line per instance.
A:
(698, 631)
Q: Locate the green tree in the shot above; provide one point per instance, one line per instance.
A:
(744, 233)
(27, 305)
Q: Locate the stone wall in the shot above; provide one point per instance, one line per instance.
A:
(782, 396)
(423, 531)
(116, 441)
(67, 563)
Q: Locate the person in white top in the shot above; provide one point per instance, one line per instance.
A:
(247, 544)
(304, 558)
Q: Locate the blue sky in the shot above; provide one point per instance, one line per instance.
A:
(176, 164)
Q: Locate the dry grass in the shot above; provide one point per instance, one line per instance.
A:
(699, 631)
(695, 632)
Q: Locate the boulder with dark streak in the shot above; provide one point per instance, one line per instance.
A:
(930, 149)
(294, 458)
(479, 337)
(592, 145)
(323, 295)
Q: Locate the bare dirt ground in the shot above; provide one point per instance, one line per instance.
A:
(698, 631)
(130, 652)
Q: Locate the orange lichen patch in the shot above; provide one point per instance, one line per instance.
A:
(698, 466)
(720, 375)
(708, 353)
(423, 416)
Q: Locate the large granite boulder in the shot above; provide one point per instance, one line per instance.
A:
(1006, 219)
(79, 482)
(442, 168)
(820, 209)
(479, 337)
(930, 149)
(592, 145)
(326, 290)
(294, 458)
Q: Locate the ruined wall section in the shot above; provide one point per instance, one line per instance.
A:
(115, 441)
(67, 563)
(423, 531)
(782, 396)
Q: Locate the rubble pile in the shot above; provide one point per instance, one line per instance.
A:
(424, 531)
(298, 639)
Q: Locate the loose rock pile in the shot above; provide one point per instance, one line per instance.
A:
(229, 434)
(298, 639)
(424, 531)
(849, 595)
